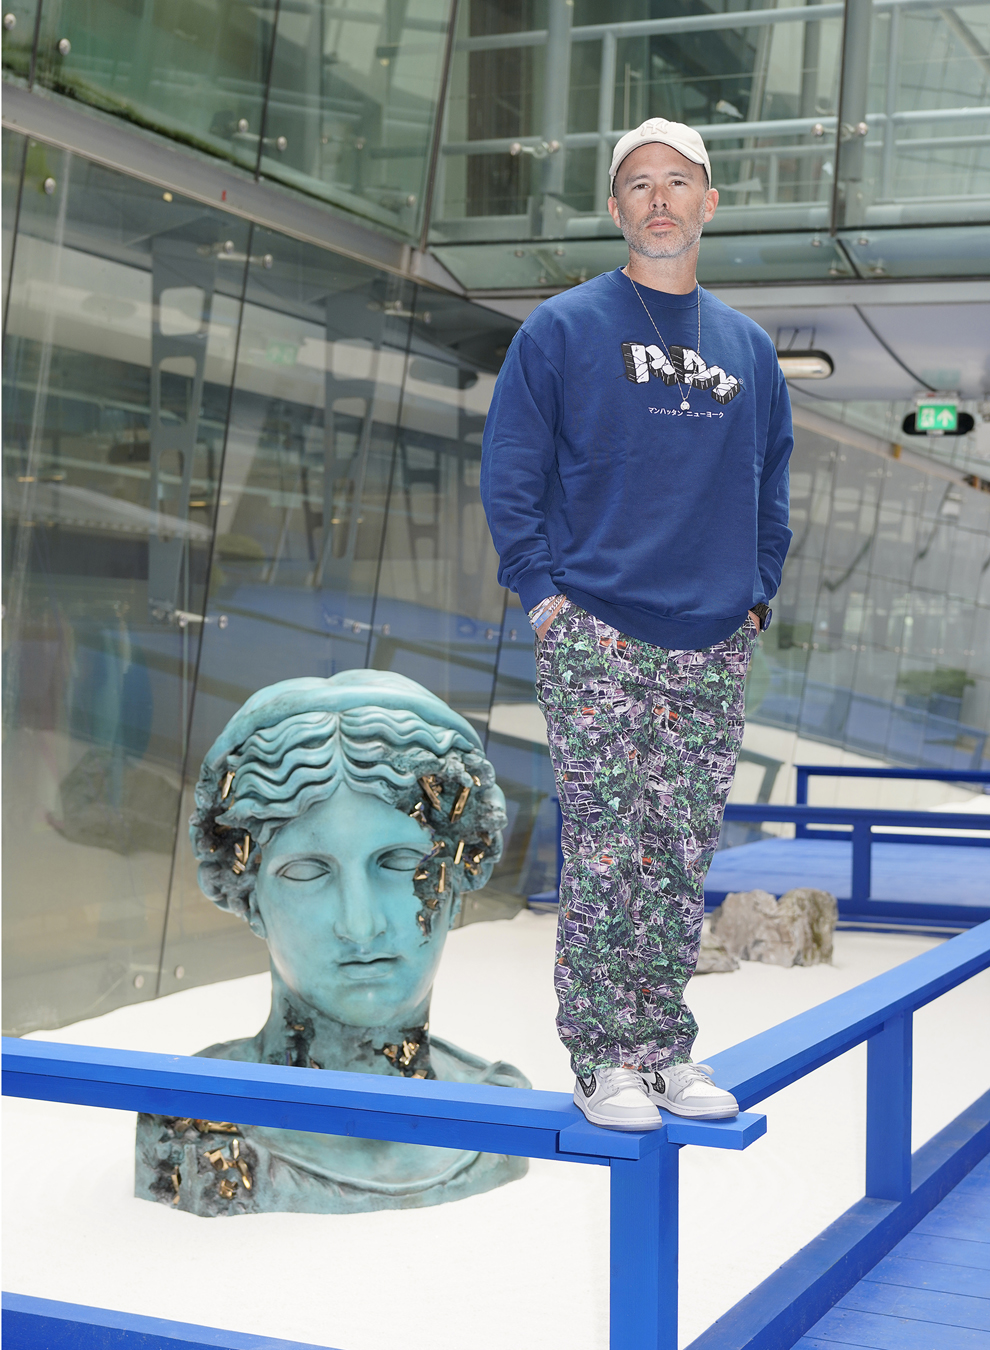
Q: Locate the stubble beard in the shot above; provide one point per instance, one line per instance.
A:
(670, 244)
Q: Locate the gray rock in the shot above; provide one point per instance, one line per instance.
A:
(794, 931)
(713, 959)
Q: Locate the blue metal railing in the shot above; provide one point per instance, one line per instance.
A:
(547, 1125)
(806, 771)
(863, 821)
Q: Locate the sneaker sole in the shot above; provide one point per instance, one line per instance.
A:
(649, 1123)
(695, 1112)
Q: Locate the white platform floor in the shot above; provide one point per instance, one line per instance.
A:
(522, 1267)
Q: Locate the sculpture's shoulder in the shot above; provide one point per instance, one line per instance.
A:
(245, 1049)
(452, 1064)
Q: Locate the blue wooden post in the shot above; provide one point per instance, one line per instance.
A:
(862, 840)
(888, 1109)
(643, 1288)
(801, 799)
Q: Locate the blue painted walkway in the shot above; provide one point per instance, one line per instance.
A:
(932, 1292)
(913, 873)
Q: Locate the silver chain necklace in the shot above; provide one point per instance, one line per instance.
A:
(685, 405)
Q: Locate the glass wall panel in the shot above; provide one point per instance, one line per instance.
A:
(341, 101)
(353, 102)
(122, 321)
(301, 512)
(195, 71)
(350, 531)
(875, 646)
(914, 146)
(19, 21)
(540, 92)
(232, 458)
(439, 609)
(12, 169)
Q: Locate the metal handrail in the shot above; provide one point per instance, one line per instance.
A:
(725, 131)
(688, 23)
(863, 821)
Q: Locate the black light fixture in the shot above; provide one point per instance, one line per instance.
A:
(806, 365)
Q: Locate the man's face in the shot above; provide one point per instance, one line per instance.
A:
(662, 201)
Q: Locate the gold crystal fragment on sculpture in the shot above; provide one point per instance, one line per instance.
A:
(459, 805)
(432, 791)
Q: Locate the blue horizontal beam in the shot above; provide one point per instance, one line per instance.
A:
(584, 1138)
(853, 815)
(517, 1121)
(923, 775)
(44, 1324)
(878, 837)
(755, 1069)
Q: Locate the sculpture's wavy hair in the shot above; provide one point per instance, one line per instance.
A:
(282, 770)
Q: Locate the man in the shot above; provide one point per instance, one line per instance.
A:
(634, 476)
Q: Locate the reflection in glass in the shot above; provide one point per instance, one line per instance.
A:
(913, 140)
(352, 101)
(120, 330)
(19, 19)
(340, 101)
(867, 651)
(349, 529)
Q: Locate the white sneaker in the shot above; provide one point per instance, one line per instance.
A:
(688, 1090)
(617, 1099)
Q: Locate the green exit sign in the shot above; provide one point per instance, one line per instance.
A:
(937, 417)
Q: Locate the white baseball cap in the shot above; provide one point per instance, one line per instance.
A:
(658, 131)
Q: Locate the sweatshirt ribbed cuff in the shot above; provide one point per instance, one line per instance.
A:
(534, 587)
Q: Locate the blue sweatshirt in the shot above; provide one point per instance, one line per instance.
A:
(667, 524)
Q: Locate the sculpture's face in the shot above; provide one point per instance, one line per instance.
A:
(336, 904)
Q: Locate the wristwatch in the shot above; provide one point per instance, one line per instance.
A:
(764, 613)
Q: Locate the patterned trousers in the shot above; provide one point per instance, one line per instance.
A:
(643, 743)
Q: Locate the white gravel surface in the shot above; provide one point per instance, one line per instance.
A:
(522, 1267)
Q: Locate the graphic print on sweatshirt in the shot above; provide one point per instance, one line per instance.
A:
(685, 367)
